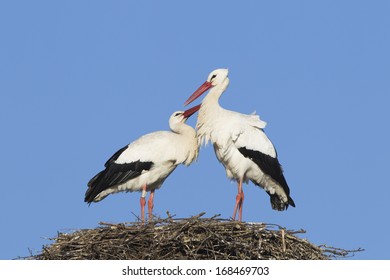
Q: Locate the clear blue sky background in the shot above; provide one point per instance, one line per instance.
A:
(81, 79)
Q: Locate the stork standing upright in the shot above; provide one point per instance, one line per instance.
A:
(144, 164)
(240, 144)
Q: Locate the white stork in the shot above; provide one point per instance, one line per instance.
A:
(144, 164)
(240, 144)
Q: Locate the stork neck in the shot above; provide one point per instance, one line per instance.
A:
(215, 93)
(182, 128)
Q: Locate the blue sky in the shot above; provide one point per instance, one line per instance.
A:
(81, 79)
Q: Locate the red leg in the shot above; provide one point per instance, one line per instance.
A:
(239, 202)
(143, 203)
(236, 206)
(151, 205)
(241, 205)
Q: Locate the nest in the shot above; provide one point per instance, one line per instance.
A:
(193, 238)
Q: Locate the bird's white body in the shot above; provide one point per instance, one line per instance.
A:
(165, 149)
(144, 164)
(239, 141)
(228, 136)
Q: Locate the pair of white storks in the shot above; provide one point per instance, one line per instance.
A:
(239, 141)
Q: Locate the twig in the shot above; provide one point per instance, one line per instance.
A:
(283, 241)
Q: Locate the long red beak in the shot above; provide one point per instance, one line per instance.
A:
(188, 113)
(202, 89)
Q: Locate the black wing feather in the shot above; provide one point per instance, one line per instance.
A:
(115, 156)
(114, 174)
(270, 166)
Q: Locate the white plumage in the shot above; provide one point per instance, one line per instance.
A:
(144, 164)
(240, 144)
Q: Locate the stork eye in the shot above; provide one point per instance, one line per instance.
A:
(177, 114)
(213, 77)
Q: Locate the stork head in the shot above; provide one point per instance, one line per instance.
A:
(217, 78)
(182, 116)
